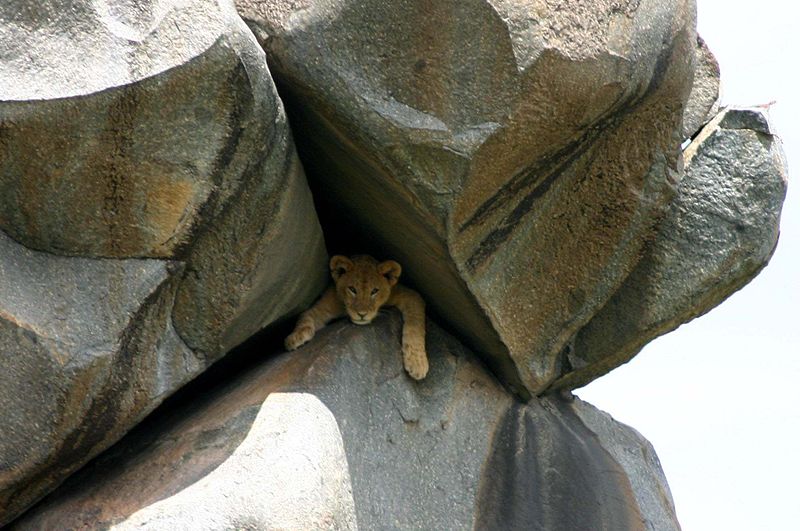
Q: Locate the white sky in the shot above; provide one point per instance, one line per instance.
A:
(719, 398)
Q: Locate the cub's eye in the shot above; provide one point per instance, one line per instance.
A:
(374, 291)
(352, 290)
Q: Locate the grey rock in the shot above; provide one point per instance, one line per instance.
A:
(109, 144)
(754, 119)
(720, 231)
(703, 102)
(639, 460)
(512, 155)
(87, 351)
(158, 211)
(264, 485)
(337, 436)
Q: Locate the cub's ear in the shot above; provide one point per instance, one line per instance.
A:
(391, 270)
(339, 266)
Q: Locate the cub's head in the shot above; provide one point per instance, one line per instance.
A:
(363, 284)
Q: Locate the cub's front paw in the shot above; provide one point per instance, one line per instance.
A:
(415, 361)
(299, 337)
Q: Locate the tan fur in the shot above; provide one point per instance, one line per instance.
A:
(361, 286)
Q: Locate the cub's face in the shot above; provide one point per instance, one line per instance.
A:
(363, 285)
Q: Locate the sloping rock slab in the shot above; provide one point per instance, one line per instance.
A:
(703, 103)
(158, 211)
(512, 155)
(336, 436)
(720, 231)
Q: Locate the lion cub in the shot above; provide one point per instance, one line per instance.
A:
(361, 287)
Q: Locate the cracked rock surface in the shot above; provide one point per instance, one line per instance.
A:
(153, 215)
(337, 436)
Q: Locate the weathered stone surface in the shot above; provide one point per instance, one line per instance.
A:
(703, 102)
(113, 139)
(639, 460)
(86, 350)
(263, 485)
(512, 155)
(153, 212)
(336, 435)
(720, 231)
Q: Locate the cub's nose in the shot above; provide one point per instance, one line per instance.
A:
(362, 315)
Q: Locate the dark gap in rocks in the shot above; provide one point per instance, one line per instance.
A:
(343, 234)
(260, 347)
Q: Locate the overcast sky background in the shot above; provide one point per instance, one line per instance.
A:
(719, 398)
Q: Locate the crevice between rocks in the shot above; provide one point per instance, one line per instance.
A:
(347, 234)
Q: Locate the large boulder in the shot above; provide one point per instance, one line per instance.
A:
(513, 155)
(337, 436)
(153, 214)
(718, 234)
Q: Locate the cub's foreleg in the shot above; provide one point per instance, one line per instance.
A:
(327, 308)
(411, 305)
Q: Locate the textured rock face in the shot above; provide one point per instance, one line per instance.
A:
(703, 102)
(153, 214)
(336, 436)
(720, 231)
(640, 462)
(511, 155)
(87, 348)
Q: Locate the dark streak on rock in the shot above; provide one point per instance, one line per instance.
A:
(102, 424)
(119, 133)
(552, 167)
(522, 180)
(220, 166)
(521, 492)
